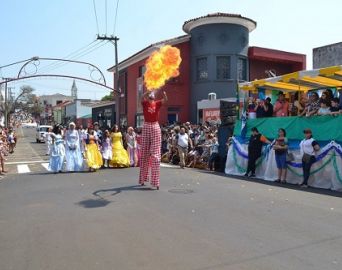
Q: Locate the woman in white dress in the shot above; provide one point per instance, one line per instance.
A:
(106, 149)
(74, 160)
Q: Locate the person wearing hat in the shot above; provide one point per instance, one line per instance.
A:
(151, 139)
(308, 148)
(254, 150)
(281, 107)
(73, 154)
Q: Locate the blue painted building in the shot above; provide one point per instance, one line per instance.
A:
(219, 55)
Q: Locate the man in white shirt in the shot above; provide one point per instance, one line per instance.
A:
(308, 149)
(183, 142)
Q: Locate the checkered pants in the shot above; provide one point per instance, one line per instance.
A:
(150, 153)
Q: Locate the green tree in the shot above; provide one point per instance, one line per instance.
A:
(108, 97)
(22, 101)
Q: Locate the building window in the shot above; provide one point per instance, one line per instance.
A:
(142, 70)
(242, 69)
(223, 67)
(202, 69)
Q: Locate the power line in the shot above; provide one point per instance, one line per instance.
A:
(70, 55)
(116, 15)
(76, 56)
(97, 22)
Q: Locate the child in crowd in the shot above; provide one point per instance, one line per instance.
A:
(335, 108)
(106, 149)
(324, 109)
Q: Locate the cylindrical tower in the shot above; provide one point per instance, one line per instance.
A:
(219, 55)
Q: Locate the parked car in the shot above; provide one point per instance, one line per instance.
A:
(41, 131)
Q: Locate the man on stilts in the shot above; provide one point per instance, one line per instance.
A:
(151, 139)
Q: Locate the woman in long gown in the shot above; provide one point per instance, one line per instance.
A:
(132, 147)
(73, 154)
(119, 154)
(106, 149)
(57, 153)
(92, 152)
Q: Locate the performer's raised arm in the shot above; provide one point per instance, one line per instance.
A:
(164, 99)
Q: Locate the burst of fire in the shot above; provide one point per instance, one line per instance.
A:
(161, 66)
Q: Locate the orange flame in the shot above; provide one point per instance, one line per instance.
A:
(161, 66)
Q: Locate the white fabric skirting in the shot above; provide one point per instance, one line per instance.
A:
(325, 173)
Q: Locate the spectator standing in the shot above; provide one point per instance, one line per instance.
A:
(259, 109)
(299, 104)
(254, 150)
(308, 148)
(280, 149)
(313, 105)
(183, 142)
(326, 97)
(11, 140)
(268, 108)
(281, 107)
(214, 155)
(3, 152)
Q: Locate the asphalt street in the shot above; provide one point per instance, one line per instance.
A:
(196, 221)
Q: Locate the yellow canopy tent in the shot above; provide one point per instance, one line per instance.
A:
(299, 81)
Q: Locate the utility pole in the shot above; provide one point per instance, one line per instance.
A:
(114, 41)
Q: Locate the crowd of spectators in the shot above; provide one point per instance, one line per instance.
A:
(8, 141)
(307, 105)
(192, 146)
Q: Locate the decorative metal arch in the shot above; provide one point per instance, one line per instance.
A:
(35, 61)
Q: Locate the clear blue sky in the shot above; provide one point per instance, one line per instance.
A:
(58, 28)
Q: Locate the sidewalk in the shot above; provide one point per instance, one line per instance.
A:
(24, 155)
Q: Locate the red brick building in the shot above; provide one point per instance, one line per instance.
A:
(262, 61)
(183, 92)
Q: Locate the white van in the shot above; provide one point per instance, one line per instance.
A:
(40, 134)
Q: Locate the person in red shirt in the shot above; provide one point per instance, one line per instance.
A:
(151, 139)
(281, 107)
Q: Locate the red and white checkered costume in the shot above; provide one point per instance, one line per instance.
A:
(150, 153)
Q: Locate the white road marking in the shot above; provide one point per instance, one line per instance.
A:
(45, 165)
(165, 165)
(24, 162)
(23, 169)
